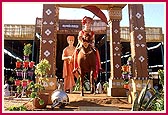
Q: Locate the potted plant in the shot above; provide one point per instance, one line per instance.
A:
(31, 64)
(27, 50)
(40, 98)
(42, 67)
(129, 61)
(19, 90)
(105, 86)
(125, 68)
(19, 72)
(26, 64)
(18, 64)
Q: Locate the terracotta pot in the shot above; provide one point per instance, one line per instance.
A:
(18, 73)
(126, 86)
(24, 83)
(28, 92)
(26, 57)
(25, 64)
(44, 97)
(31, 64)
(30, 73)
(125, 68)
(18, 64)
(17, 82)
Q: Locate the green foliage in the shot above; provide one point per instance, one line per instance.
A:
(19, 89)
(154, 103)
(27, 49)
(161, 76)
(11, 79)
(42, 67)
(86, 85)
(105, 86)
(35, 88)
(19, 108)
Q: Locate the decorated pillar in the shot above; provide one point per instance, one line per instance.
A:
(115, 16)
(138, 50)
(138, 41)
(49, 32)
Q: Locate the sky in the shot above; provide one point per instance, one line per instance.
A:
(26, 13)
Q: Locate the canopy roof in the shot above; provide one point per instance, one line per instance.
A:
(100, 6)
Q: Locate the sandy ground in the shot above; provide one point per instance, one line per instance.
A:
(89, 102)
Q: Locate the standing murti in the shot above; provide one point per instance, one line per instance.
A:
(68, 65)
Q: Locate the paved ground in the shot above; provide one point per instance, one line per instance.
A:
(89, 102)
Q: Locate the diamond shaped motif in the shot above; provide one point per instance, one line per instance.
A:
(48, 11)
(116, 31)
(142, 45)
(136, 28)
(116, 48)
(114, 42)
(137, 45)
(44, 41)
(143, 85)
(138, 15)
(141, 28)
(47, 32)
(51, 83)
(44, 23)
(118, 54)
(138, 85)
(117, 66)
(45, 84)
(50, 41)
(141, 58)
(46, 53)
(118, 83)
(51, 23)
(140, 37)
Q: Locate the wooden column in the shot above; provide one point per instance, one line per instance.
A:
(48, 41)
(115, 15)
(115, 81)
(138, 41)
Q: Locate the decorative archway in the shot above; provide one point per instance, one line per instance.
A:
(137, 31)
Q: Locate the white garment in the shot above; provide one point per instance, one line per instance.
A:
(6, 90)
(99, 88)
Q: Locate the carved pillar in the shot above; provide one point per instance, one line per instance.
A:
(48, 41)
(115, 15)
(138, 41)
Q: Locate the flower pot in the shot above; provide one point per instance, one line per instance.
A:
(126, 86)
(26, 57)
(18, 73)
(24, 83)
(125, 68)
(124, 76)
(17, 82)
(18, 64)
(28, 93)
(31, 64)
(30, 73)
(44, 97)
(25, 64)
